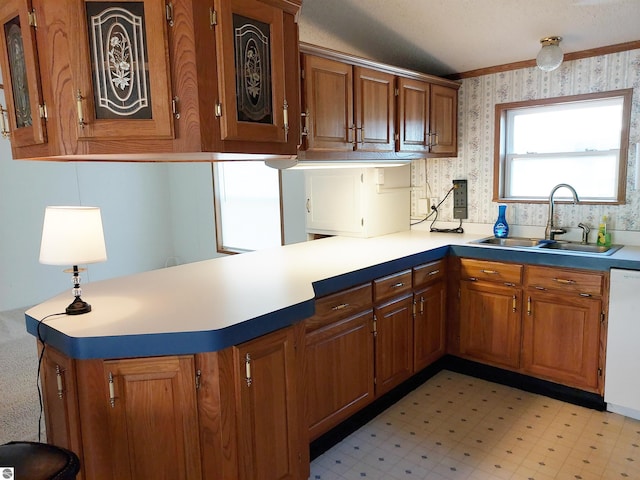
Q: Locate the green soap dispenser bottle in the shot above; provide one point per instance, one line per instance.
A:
(604, 237)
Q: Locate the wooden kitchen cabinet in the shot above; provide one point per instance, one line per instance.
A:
(22, 121)
(154, 80)
(429, 314)
(562, 327)
(339, 361)
(60, 399)
(490, 312)
(427, 118)
(347, 108)
(270, 446)
(393, 330)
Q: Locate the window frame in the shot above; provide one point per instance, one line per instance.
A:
(500, 142)
(217, 214)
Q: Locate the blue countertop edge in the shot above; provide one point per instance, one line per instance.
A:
(179, 343)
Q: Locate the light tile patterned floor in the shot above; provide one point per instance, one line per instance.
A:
(458, 427)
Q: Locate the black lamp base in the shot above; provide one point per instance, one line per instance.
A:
(77, 307)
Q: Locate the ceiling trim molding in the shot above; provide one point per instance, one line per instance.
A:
(592, 52)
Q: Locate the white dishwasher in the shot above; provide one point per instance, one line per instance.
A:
(622, 378)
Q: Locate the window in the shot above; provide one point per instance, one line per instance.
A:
(247, 206)
(580, 140)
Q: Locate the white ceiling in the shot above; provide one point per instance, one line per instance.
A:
(442, 37)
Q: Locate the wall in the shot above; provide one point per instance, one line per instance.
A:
(477, 99)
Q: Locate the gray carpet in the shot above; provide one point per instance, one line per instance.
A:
(19, 406)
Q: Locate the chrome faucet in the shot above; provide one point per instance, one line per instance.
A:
(550, 232)
(585, 233)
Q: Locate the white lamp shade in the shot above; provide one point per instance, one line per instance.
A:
(550, 56)
(72, 236)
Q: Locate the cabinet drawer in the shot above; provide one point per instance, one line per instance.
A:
(392, 285)
(429, 272)
(506, 273)
(566, 280)
(339, 305)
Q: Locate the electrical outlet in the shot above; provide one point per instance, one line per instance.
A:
(460, 199)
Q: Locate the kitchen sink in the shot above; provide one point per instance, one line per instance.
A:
(539, 243)
(580, 247)
(510, 241)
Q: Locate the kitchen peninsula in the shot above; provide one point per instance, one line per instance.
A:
(187, 351)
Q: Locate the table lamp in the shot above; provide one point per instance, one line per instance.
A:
(73, 236)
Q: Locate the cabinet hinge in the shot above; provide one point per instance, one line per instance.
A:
(599, 372)
(414, 307)
(213, 17)
(42, 110)
(33, 20)
(396, 92)
(602, 317)
(174, 107)
(168, 10)
(218, 109)
(198, 378)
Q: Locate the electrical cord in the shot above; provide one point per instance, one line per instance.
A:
(40, 358)
(434, 210)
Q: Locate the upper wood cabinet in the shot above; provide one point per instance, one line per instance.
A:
(427, 118)
(23, 120)
(347, 108)
(155, 80)
(355, 105)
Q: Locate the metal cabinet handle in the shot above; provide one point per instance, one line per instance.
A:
(59, 382)
(247, 369)
(305, 128)
(398, 285)
(112, 393)
(421, 305)
(339, 307)
(4, 124)
(489, 272)
(285, 116)
(79, 99)
(563, 281)
(308, 205)
(434, 272)
(514, 303)
(528, 305)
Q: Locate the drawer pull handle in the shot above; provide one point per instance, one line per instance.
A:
(398, 285)
(421, 305)
(563, 281)
(79, 106)
(489, 272)
(340, 307)
(434, 272)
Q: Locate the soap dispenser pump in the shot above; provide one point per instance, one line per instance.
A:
(501, 227)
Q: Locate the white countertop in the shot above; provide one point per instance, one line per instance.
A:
(217, 294)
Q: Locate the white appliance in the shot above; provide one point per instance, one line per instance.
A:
(621, 385)
(358, 202)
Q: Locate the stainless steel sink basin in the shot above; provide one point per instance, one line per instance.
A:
(580, 247)
(539, 243)
(509, 241)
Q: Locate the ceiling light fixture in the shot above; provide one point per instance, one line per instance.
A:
(550, 56)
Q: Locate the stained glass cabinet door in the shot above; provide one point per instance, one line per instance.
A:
(23, 118)
(124, 72)
(250, 52)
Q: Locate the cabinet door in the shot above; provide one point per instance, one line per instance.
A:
(490, 324)
(153, 421)
(22, 121)
(328, 104)
(561, 338)
(251, 76)
(267, 412)
(338, 371)
(413, 114)
(375, 111)
(123, 72)
(60, 398)
(429, 325)
(393, 343)
(444, 120)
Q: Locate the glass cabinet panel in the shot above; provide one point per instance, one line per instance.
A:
(21, 120)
